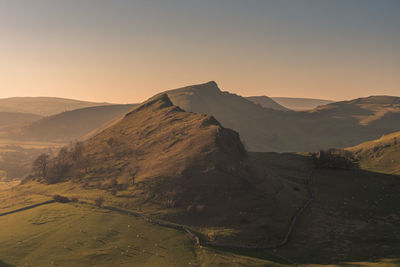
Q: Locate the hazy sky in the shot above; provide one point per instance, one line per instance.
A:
(126, 51)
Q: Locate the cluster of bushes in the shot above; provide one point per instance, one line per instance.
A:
(99, 201)
(62, 199)
(334, 159)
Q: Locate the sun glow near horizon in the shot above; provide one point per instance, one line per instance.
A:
(126, 52)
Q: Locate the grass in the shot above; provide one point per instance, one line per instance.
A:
(380, 155)
(354, 218)
(7, 185)
(75, 234)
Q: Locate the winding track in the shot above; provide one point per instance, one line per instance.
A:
(193, 235)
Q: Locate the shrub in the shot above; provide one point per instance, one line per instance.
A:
(114, 191)
(61, 199)
(40, 164)
(99, 201)
(334, 159)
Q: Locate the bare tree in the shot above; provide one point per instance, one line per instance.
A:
(40, 164)
(99, 201)
(62, 154)
(77, 151)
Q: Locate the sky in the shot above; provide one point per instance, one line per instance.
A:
(126, 51)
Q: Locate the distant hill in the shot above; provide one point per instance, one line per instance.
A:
(340, 124)
(44, 106)
(71, 125)
(300, 104)
(12, 119)
(266, 102)
(382, 155)
(367, 110)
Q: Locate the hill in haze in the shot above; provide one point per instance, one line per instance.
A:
(377, 110)
(70, 125)
(266, 102)
(15, 119)
(340, 124)
(44, 106)
(300, 104)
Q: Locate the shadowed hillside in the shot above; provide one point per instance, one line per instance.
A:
(354, 218)
(261, 129)
(339, 124)
(266, 102)
(71, 125)
(300, 104)
(44, 106)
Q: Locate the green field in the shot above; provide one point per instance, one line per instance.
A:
(354, 220)
(80, 235)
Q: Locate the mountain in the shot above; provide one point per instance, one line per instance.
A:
(157, 131)
(185, 168)
(300, 104)
(340, 124)
(259, 127)
(381, 155)
(44, 106)
(266, 102)
(70, 125)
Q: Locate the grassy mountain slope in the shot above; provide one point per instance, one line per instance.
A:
(264, 129)
(188, 169)
(44, 106)
(300, 104)
(71, 125)
(266, 102)
(382, 155)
